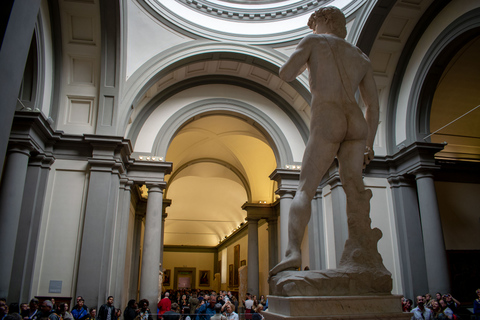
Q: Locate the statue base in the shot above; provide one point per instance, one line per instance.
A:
(332, 282)
(348, 307)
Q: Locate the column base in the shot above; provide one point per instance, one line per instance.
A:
(345, 307)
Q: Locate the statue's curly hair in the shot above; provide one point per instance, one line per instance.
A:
(335, 20)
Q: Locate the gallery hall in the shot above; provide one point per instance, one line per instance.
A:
(152, 145)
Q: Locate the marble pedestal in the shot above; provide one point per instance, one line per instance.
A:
(338, 307)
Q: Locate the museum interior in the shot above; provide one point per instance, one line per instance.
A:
(150, 145)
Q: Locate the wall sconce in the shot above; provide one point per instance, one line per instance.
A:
(293, 167)
(149, 158)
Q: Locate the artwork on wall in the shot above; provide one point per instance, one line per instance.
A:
(243, 263)
(204, 278)
(230, 275)
(166, 278)
(236, 263)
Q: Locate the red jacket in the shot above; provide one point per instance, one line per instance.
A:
(164, 305)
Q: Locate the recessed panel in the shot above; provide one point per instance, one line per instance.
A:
(395, 27)
(82, 71)
(228, 66)
(261, 74)
(380, 61)
(81, 29)
(80, 110)
(196, 67)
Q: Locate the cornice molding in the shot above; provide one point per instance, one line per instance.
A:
(254, 14)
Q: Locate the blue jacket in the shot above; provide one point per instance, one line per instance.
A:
(205, 312)
(80, 314)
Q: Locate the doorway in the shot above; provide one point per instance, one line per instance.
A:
(184, 278)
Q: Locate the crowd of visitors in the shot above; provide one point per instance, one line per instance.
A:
(49, 310)
(203, 305)
(442, 306)
(180, 304)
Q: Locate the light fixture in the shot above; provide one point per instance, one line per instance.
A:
(293, 167)
(150, 158)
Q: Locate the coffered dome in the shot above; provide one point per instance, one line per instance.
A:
(251, 21)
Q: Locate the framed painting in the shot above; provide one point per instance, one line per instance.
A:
(204, 277)
(166, 278)
(230, 275)
(243, 263)
(236, 263)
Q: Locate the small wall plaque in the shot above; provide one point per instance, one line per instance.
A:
(55, 286)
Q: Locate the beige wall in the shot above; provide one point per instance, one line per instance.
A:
(198, 260)
(458, 204)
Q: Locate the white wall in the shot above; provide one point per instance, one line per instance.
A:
(383, 217)
(61, 226)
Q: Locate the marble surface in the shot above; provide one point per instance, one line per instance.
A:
(346, 307)
(334, 282)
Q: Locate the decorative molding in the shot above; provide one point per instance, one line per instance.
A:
(255, 14)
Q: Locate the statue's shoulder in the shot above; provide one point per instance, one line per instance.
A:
(314, 38)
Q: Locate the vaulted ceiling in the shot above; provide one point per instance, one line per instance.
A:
(221, 160)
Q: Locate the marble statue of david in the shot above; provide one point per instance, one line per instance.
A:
(338, 128)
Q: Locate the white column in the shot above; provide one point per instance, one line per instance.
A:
(252, 281)
(435, 254)
(11, 194)
(151, 243)
(121, 286)
(17, 37)
(272, 242)
(286, 198)
(316, 234)
(166, 204)
(339, 210)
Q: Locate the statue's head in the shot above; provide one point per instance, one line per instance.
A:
(333, 18)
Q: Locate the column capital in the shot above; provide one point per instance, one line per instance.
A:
(23, 148)
(126, 184)
(167, 203)
(259, 210)
(272, 219)
(251, 220)
(155, 187)
(287, 180)
(420, 174)
(105, 165)
(148, 172)
(318, 194)
(415, 157)
(286, 193)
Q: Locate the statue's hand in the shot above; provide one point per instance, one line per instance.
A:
(368, 155)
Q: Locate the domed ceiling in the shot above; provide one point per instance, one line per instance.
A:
(253, 21)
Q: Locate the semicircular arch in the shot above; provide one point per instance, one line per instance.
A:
(197, 51)
(225, 164)
(445, 46)
(410, 118)
(261, 121)
(273, 134)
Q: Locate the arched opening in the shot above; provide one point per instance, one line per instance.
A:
(220, 162)
(456, 97)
